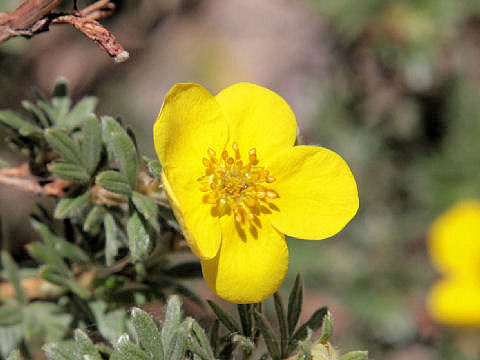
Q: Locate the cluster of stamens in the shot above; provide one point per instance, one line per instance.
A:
(234, 187)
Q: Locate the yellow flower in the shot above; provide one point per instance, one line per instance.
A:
(237, 184)
(454, 246)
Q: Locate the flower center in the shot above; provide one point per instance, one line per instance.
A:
(235, 187)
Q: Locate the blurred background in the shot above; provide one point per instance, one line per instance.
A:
(391, 85)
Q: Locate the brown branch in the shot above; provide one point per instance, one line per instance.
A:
(21, 178)
(35, 16)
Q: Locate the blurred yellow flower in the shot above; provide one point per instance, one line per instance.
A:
(237, 184)
(454, 246)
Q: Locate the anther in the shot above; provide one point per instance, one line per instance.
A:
(270, 179)
(224, 154)
(206, 162)
(211, 152)
(272, 194)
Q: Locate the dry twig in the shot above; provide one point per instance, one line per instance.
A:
(35, 16)
(22, 179)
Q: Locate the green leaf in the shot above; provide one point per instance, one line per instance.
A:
(68, 206)
(224, 317)
(10, 314)
(145, 205)
(44, 255)
(10, 338)
(177, 346)
(111, 324)
(52, 275)
(185, 270)
(70, 172)
(202, 341)
(355, 355)
(94, 218)
(11, 270)
(109, 127)
(126, 156)
(155, 168)
(39, 115)
(18, 123)
(327, 328)
(111, 248)
(61, 88)
(139, 241)
(14, 355)
(115, 182)
(65, 350)
(46, 321)
(245, 313)
(130, 352)
(79, 113)
(282, 324)
(147, 333)
(295, 304)
(91, 143)
(64, 145)
(85, 346)
(267, 333)
(314, 323)
(172, 319)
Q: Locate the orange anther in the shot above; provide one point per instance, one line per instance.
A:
(230, 161)
(251, 202)
(270, 179)
(224, 154)
(272, 194)
(261, 194)
(211, 152)
(213, 186)
(238, 217)
(205, 162)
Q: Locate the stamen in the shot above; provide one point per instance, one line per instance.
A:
(235, 187)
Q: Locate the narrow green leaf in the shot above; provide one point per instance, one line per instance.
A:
(47, 110)
(314, 323)
(145, 205)
(139, 241)
(61, 88)
(111, 324)
(246, 343)
(70, 172)
(64, 145)
(11, 270)
(202, 340)
(115, 182)
(155, 168)
(65, 350)
(111, 248)
(85, 346)
(60, 106)
(224, 317)
(327, 328)
(177, 346)
(10, 314)
(14, 355)
(68, 206)
(355, 355)
(12, 119)
(44, 255)
(147, 333)
(38, 114)
(185, 270)
(282, 324)
(61, 246)
(295, 301)
(172, 318)
(79, 113)
(127, 351)
(213, 335)
(245, 313)
(10, 338)
(52, 275)
(267, 333)
(94, 218)
(126, 156)
(91, 143)
(109, 127)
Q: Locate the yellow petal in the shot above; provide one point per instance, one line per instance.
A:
(199, 227)
(317, 192)
(189, 123)
(454, 239)
(456, 301)
(257, 118)
(251, 264)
